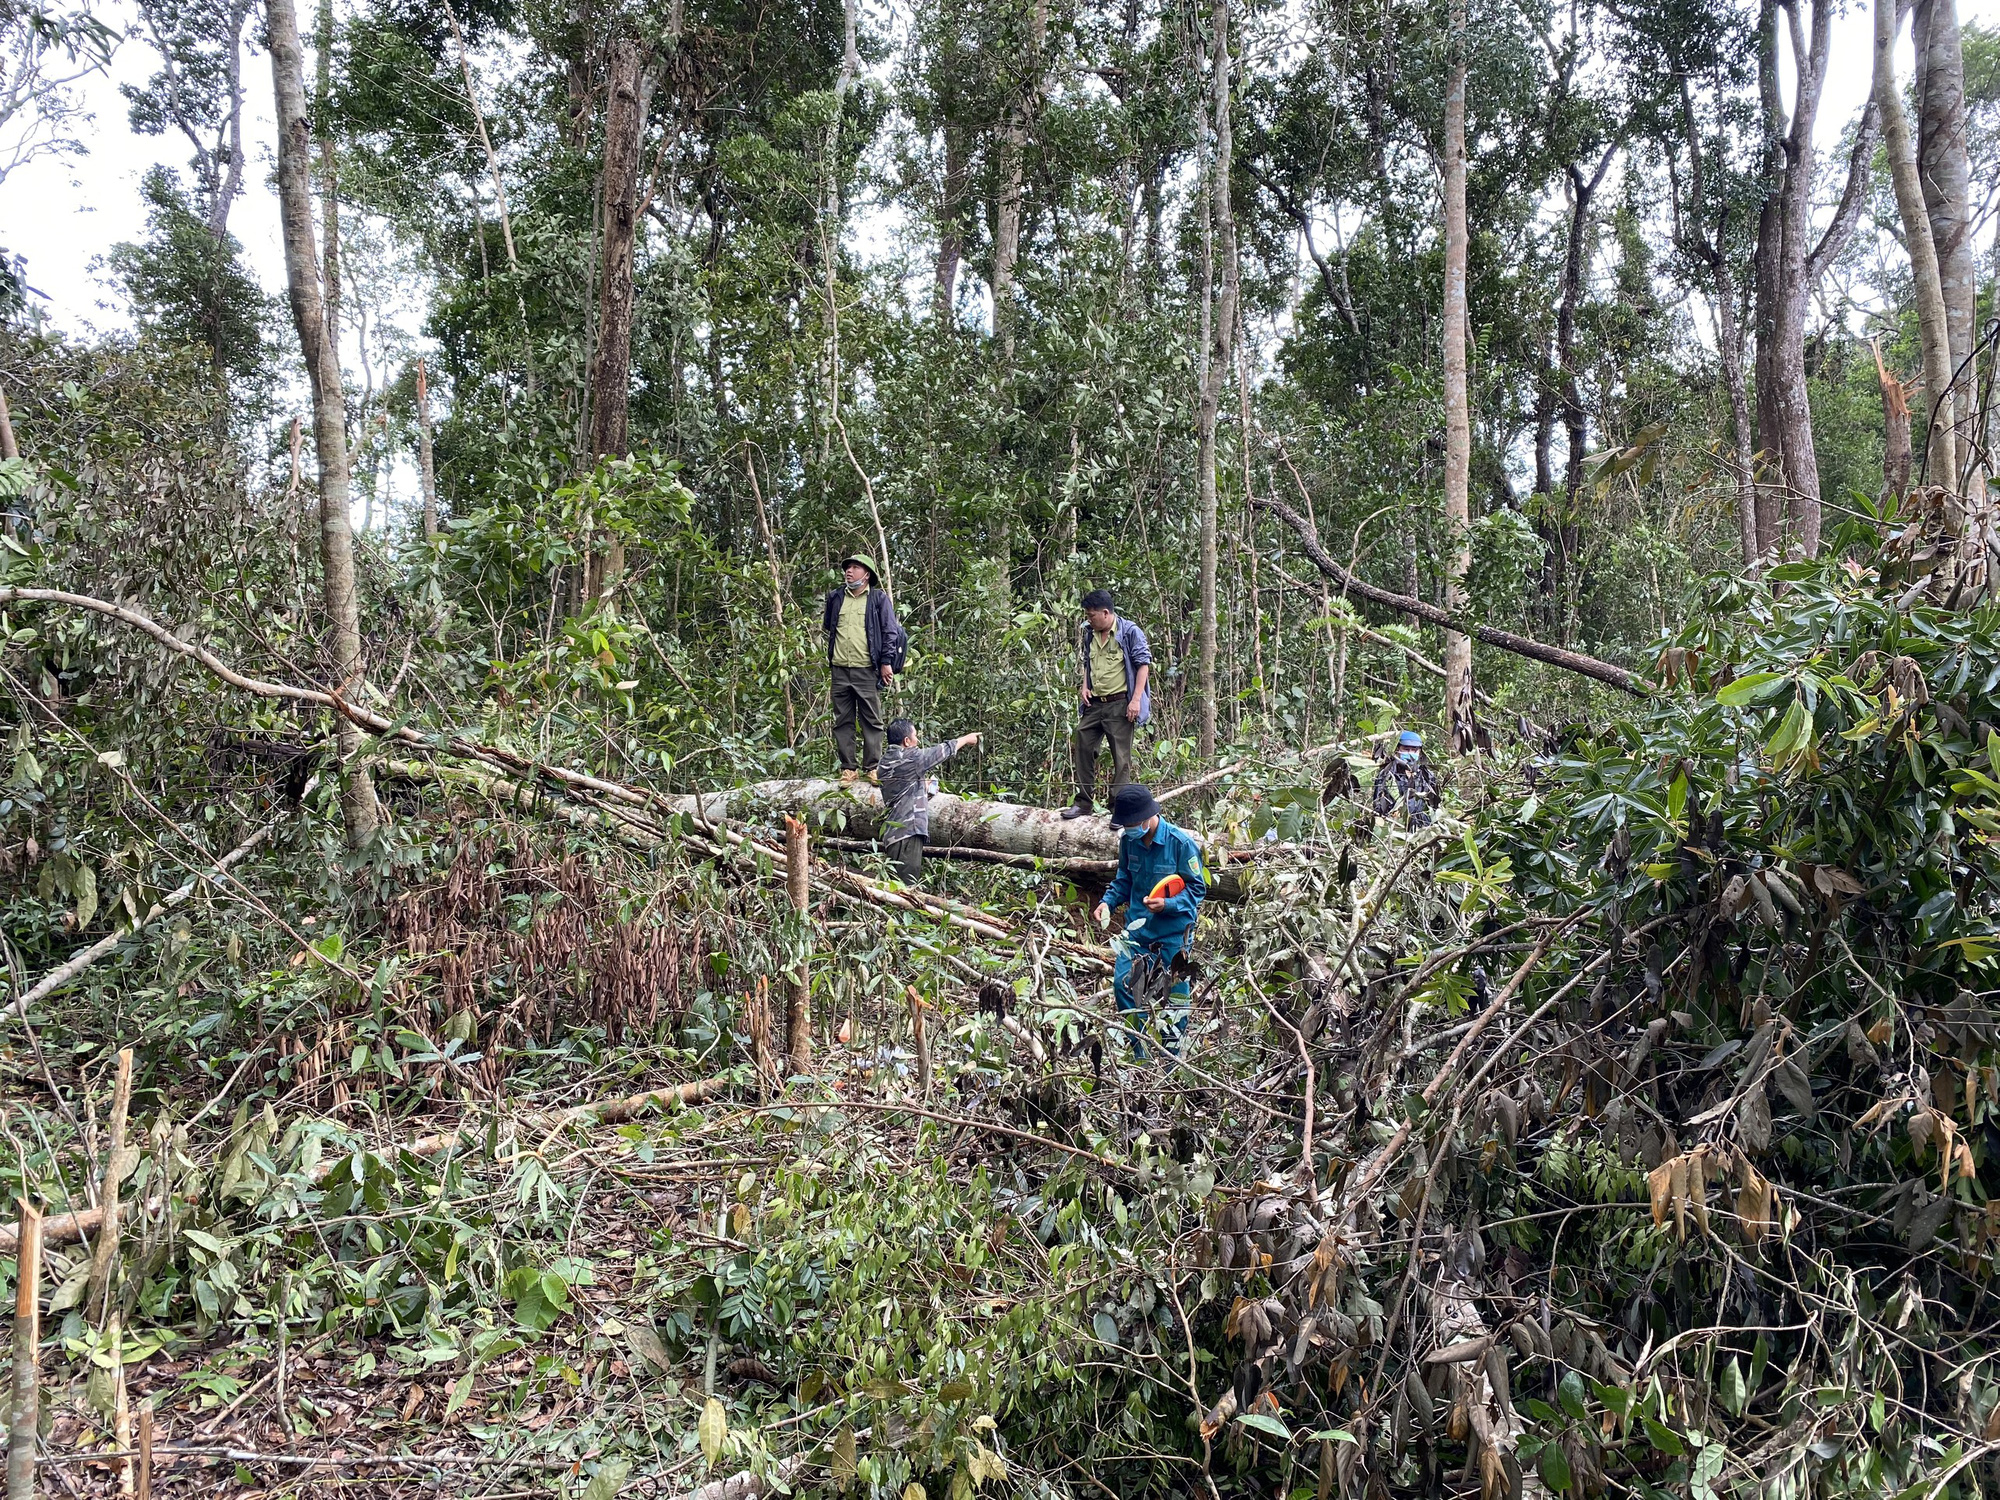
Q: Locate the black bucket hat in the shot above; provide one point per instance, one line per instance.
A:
(1131, 805)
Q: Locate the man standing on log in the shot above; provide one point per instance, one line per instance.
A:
(1159, 869)
(865, 647)
(907, 785)
(1117, 665)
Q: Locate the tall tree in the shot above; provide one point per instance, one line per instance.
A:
(1458, 700)
(1944, 169)
(611, 364)
(198, 91)
(1932, 320)
(1218, 324)
(1789, 266)
(316, 341)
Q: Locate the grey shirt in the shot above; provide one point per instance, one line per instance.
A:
(906, 799)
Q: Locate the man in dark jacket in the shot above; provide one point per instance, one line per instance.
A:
(864, 647)
(907, 786)
(1161, 884)
(1408, 778)
(1117, 665)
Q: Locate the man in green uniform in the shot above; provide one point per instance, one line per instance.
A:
(865, 646)
(1117, 666)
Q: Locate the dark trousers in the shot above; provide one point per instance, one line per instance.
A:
(907, 855)
(857, 695)
(1103, 719)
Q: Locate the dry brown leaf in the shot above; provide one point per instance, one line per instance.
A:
(1659, 1182)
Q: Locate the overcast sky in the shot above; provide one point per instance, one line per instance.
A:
(63, 214)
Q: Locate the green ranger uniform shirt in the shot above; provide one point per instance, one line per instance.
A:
(850, 636)
(1107, 666)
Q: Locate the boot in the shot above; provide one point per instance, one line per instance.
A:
(1081, 808)
(848, 776)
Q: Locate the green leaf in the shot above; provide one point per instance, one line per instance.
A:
(1747, 690)
(1555, 1468)
(608, 1480)
(1264, 1422)
(1571, 1394)
(1663, 1438)
(461, 1392)
(1731, 1388)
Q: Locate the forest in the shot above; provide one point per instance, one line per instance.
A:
(569, 925)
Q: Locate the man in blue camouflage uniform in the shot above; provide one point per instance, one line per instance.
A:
(1153, 855)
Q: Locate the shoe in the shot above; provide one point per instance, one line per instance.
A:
(1080, 808)
(847, 777)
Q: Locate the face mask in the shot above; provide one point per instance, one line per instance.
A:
(858, 588)
(1134, 833)
(1408, 757)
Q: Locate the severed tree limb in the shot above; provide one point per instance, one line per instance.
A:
(56, 978)
(1520, 645)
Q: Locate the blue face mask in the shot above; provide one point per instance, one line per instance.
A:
(1135, 833)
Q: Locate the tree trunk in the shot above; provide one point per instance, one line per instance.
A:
(1944, 170)
(1560, 395)
(611, 366)
(1458, 705)
(798, 1000)
(426, 465)
(1729, 345)
(611, 371)
(1218, 324)
(322, 359)
(951, 228)
(1931, 322)
(1895, 428)
(329, 174)
(1794, 412)
(231, 183)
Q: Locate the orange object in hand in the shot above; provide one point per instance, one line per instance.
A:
(1168, 888)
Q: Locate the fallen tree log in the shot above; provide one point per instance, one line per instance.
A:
(854, 809)
(1520, 645)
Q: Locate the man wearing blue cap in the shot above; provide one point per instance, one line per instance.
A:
(1407, 777)
(1161, 883)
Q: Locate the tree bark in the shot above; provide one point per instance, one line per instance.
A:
(357, 799)
(426, 464)
(1462, 729)
(1910, 205)
(1218, 324)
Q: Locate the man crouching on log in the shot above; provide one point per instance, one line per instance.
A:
(1164, 863)
(907, 785)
